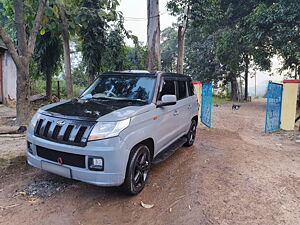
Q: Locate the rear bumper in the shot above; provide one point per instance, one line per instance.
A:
(113, 151)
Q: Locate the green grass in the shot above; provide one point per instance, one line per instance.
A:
(220, 100)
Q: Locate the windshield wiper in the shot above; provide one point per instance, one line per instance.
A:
(104, 98)
(131, 100)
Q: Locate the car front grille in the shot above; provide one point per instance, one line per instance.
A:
(66, 158)
(70, 132)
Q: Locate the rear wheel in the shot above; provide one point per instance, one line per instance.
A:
(191, 135)
(137, 170)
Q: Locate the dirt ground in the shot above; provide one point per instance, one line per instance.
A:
(234, 174)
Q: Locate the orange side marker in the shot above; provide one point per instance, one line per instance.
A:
(155, 118)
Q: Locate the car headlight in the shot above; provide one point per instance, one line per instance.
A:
(33, 121)
(108, 129)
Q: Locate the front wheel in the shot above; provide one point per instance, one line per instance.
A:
(137, 170)
(191, 135)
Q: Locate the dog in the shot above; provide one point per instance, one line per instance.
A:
(235, 107)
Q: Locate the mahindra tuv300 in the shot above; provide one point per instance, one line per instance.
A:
(118, 127)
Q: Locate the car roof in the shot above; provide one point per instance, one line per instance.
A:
(143, 73)
(131, 72)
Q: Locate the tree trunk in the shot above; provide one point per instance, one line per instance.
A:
(48, 86)
(246, 76)
(67, 58)
(181, 41)
(180, 57)
(153, 36)
(23, 94)
(234, 89)
(91, 78)
(23, 56)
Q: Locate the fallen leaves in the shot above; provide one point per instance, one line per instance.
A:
(9, 206)
(146, 206)
(33, 200)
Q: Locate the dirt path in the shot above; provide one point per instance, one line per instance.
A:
(234, 174)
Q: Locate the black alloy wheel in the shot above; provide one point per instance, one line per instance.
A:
(191, 135)
(137, 170)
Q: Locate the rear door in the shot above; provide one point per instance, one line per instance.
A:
(193, 106)
(183, 107)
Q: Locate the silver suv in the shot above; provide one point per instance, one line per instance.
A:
(120, 125)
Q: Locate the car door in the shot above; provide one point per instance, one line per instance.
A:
(167, 129)
(193, 106)
(183, 107)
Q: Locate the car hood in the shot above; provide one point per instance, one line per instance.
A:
(93, 110)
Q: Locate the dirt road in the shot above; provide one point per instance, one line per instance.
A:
(234, 174)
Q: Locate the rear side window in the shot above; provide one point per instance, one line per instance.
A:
(191, 88)
(182, 90)
(168, 88)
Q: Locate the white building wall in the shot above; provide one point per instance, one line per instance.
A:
(9, 77)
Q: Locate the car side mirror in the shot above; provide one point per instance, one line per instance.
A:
(167, 100)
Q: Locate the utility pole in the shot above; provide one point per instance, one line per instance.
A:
(153, 35)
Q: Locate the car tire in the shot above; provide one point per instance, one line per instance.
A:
(137, 170)
(191, 135)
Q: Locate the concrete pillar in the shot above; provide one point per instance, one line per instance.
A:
(289, 104)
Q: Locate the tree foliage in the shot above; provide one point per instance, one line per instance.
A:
(169, 49)
(225, 36)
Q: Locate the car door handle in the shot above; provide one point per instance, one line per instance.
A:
(175, 113)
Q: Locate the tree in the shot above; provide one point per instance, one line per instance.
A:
(153, 35)
(67, 58)
(234, 44)
(48, 57)
(169, 43)
(277, 25)
(22, 54)
(181, 39)
(115, 56)
(137, 57)
(181, 9)
(94, 18)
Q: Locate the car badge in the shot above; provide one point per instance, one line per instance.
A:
(61, 123)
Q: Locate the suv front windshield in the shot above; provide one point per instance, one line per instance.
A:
(121, 87)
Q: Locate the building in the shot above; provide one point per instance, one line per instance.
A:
(8, 77)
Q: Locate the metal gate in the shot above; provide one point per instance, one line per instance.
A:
(206, 105)
(273, 109)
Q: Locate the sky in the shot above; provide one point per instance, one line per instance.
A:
(135, 14)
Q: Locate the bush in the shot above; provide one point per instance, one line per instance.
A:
(39, 86)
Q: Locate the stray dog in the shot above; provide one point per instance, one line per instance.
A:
(235, 107)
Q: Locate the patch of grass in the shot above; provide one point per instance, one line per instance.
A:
(220, 100)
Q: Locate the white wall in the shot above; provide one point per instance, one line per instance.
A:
(9, 77)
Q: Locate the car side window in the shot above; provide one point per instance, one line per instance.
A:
(182, 92)
(168, 88)
(191, 88)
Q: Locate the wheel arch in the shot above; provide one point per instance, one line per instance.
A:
(150, 144)
(196, 119)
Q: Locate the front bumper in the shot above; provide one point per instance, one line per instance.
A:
(114, 151)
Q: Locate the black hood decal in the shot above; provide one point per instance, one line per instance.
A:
(92, 109)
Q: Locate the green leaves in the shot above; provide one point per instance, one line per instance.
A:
(42, 31)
